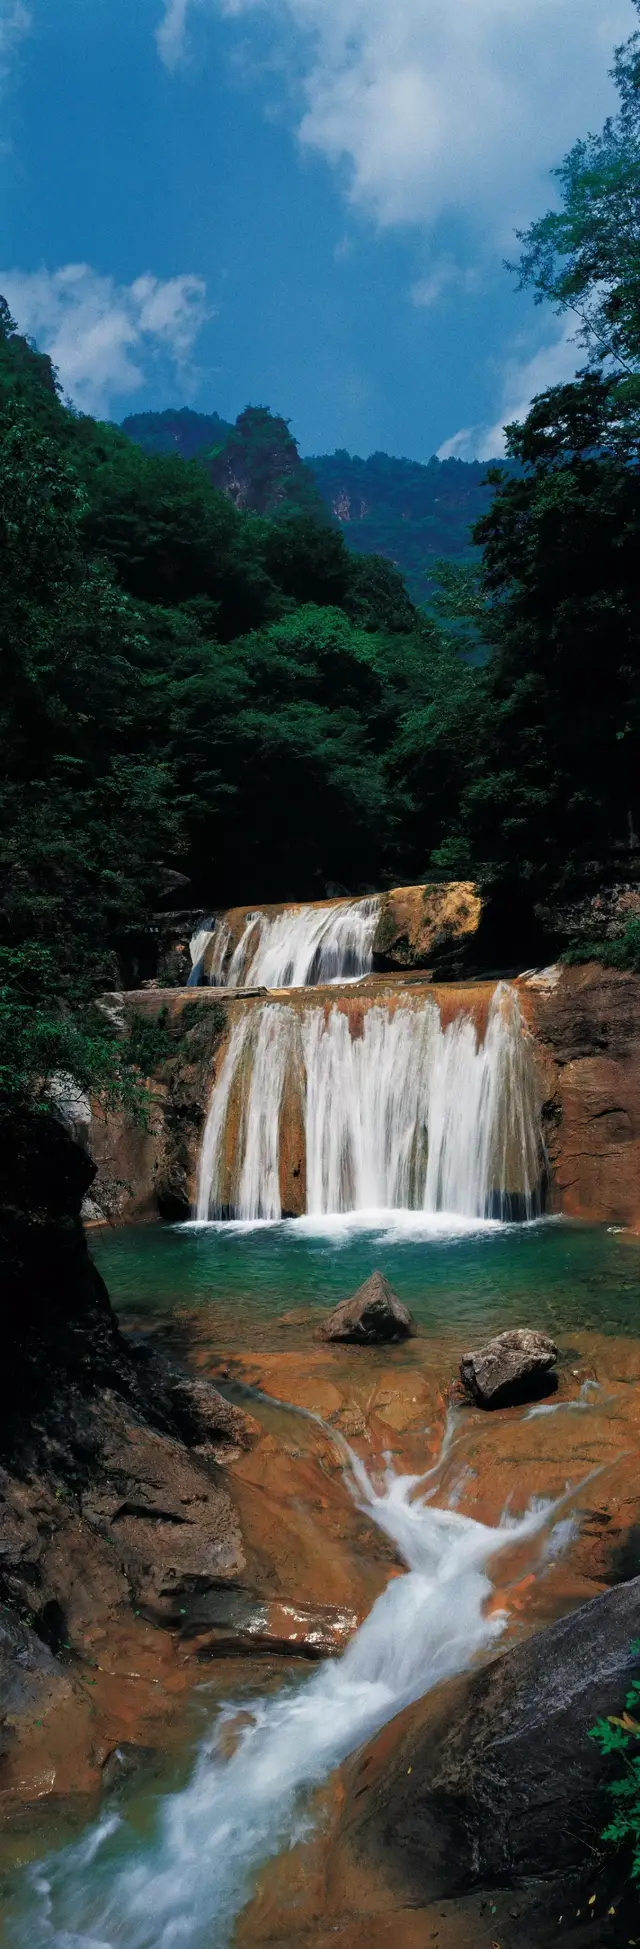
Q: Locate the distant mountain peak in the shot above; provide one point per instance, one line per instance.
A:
(408, 511)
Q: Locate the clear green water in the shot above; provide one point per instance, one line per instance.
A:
(554, 1274)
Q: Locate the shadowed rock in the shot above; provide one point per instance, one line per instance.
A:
(492, 1782)
(515, 1366)
(372, 1314)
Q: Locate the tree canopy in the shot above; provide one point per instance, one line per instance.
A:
(201, 680)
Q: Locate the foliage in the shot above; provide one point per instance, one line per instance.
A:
(40, 1039)
(176, 431)
(185, 687)
(402, 510)
(147, 1041)
(621, 1735)
(199, 675)
(585, 256)
(397, 511)
(255, 463)
(622, 953)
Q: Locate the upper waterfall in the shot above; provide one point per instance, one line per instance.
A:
(298, 948)
(402, 1114)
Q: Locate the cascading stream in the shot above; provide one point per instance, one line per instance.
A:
(300, 948)
(404, 1115)
(184, 1887)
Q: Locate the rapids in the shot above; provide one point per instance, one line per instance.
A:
(184, 1886)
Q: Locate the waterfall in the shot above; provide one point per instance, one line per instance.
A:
(219, 932)
(404, 1115)
(186, 1882)
(259, 1194)
(197, 947)
(367, 1106)
(300, 948)
(484, 1136)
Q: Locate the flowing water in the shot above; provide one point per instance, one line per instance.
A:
(299, 948)
(420, 1139)
(405, 1115)
(183, 1886)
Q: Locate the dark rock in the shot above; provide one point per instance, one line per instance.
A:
(55, 1316)
(493, 1779)
(173, 1201)
(230, 1623)
(111, 1493)
(188, 1405)
(515, 1366)
(202, 1416)
(31, 1680)
(372, 1314)
(127, 1762)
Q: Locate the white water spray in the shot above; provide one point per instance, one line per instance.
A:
(405, 1115)
(299, 948)
(184, 1888)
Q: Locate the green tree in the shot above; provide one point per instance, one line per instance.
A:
(585, 257)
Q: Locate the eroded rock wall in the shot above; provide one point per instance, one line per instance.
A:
(585, 1023)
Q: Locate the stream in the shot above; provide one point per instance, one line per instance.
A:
(184, 1887)
(175, 1868)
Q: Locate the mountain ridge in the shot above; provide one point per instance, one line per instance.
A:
(409, 511)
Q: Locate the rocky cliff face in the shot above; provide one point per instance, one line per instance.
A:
(113, 1504)
(586, 1027)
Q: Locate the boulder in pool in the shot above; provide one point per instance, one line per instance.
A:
(373, 1315)
(515, 1366)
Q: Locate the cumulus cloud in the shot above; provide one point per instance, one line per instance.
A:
(522, 379)
(432, 105)
(104, 337)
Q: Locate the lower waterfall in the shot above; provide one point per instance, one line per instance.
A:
(299, 948)
(404, 1115)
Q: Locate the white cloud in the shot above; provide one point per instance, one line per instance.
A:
(445, 275)
(433, 105)
(102, 336)
(15, 24)
(521, 380)
(171, 35)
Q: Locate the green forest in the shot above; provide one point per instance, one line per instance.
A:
(204, 688)
(412, 514)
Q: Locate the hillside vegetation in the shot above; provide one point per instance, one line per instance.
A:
(410, 514)
(203, 696)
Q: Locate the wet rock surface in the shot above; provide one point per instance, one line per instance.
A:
(224, 1623)
(493, 1782)
(513, 1367)
(372, 1314)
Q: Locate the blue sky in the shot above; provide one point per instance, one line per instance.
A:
(297, 203)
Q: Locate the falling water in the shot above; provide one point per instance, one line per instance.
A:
(367, 1107)
(184, 1887)
(300, 948)
(197, 947)
(259, 1193)
(405, 1115)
